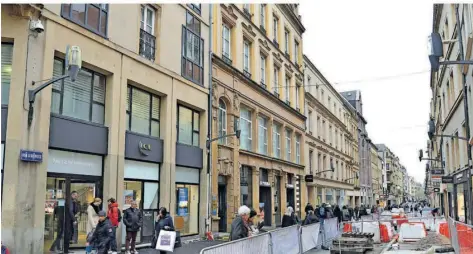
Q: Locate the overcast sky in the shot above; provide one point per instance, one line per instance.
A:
(366, 40)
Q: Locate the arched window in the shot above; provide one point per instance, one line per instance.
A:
(222, 121)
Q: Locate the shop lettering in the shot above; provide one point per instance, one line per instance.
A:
(144, 148)
(72, 162)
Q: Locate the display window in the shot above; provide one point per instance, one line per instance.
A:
(187, 209)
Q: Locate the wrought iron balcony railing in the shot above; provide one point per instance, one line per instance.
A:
(147, 45)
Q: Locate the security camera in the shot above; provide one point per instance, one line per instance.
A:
(36, 26)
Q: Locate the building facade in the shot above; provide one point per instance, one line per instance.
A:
(364, 144)
(394, 178)
(257, 80)
(448, 113)
(132, 126)
(376, 171)
(329, 142)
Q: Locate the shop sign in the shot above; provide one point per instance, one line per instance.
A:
(309, 178)
(31, 156)
(436, 189)
(265, 184)
(144, 148)
(290, 186)
(447, 179)
(437, 172)
(459, 176)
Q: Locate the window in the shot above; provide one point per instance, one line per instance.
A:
(286, 89)
(246, 183)
(276, 81)
(263, 17)
(288, 145)
(298, 149)
(226, 41)
(90, 16)
(309, 120)
(318, 126)
(246, 129)
(276, 140)
(262, 135)
(188, 126)
(263, 70)
(296, 52)
(298, 89)
(195, 7)
(275, 29)
(187, 209)
(143, 112)
(147, 39)
(222, 121)
(311, 157)
(246, 7)
(192, 51)
(246, 56)
(286, 41)
(7, 57)
(83, 99)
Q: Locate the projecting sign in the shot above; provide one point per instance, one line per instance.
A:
(31, 156)
(436, 189)
(437, 172)
(447, 179)
(309, 178)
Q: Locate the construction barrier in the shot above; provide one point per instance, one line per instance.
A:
(285, 240)
(460, 235)
(310, 236)
(256, 244)
(412, 231)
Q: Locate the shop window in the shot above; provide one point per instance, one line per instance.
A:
(83, 99)
(188, 126)
(7, 57)
(90, 16)
(192, 51)
(187, 209)
(246, 184)
(143, 112)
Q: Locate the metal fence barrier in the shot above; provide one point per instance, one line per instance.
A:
(461, 236)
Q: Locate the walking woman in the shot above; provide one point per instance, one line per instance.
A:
(289, 219)
(164, 222)
(92, 218)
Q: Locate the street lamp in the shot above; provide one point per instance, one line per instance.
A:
(332, 168)
(73, 61)
(237, 133)
(356, 177)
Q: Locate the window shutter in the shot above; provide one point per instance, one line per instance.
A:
(7, 56)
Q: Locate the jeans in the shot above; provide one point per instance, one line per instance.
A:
(130, 237)
(113, 240)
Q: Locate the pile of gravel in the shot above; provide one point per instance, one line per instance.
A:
(432, 240)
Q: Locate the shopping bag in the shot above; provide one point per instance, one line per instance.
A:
(166, 240)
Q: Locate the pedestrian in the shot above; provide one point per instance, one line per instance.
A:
(310, 217)
(5, 250)
(59, 212)
(163, 222)
(92, 218)
(71, 219)
(240, 228)
(289, 219)
(102, 235)
(133, 221)
(356, 214)
(345, 214)
(114, 216)
(337, 212)
(261, 213)
(253, 226)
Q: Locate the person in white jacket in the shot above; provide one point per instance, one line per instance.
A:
(93, 214)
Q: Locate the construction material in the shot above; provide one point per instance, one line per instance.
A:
(350, 243)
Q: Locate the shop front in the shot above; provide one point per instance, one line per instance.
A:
(186, 219)
(461, 206)
(143, 156)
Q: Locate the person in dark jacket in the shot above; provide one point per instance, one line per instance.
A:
(240, 228)
(338, 213)
(310, 217)
(102, 235)
(164, 222)
(345, 214)
(133, 221)
(356, 213)
(289, 219)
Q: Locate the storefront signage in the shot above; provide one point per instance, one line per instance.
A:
(31, 156)
(437, 172)
(265, 184)
(459, 176)
(290, 186)
(144, 148)
(436, 189)
(309, 178)
(447, 179)
(183, 201)
(74, 163)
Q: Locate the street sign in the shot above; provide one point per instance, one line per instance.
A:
(447, 179)
(437, 172)
(31, 156)
(309, 178)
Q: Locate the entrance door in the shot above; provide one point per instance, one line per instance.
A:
(277, 201)
(60, 232)
(265, 198)
(222, 208)
(290, 198)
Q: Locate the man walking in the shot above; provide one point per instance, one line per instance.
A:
(133, 221)
(102, 234)
(114, 216)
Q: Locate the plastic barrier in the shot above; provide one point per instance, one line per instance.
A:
(443, 229)
(347, 228)
(310, 236)
(383, 231)
(465, 237)
(412, 231)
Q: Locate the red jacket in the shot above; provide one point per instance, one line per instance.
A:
(112, 214)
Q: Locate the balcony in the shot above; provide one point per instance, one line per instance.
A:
(147, 45)
(247, 13)
(276, 94)
(247, 74)
(276, 43)
(263, 84)
(227, 59)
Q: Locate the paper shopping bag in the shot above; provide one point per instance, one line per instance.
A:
(166, 240)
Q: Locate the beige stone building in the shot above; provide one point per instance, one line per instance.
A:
(376, 168)
(132, 126)
(331, 149)
(258, 82)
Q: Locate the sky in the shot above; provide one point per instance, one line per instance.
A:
(381, 50)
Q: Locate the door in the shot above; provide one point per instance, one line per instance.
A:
(222, 208)
(265, 198)
(277, 201)
(290, 198)
(60, 232)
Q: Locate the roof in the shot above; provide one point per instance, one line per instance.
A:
(353, 95)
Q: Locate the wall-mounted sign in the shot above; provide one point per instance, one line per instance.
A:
(447, 179)
(31, 156)
(265, 184)
(459, 176)
(144, 148)
(437, 172)
(436, 189)
(290, 186)
(309, 178)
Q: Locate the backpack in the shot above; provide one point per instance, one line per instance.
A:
(119, 215)
(322, 212)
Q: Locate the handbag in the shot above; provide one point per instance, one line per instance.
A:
(166, 241)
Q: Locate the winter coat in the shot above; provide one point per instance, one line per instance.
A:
(162, 223)
(132, 219)
(310, 219)
(92, 218)
(112, 214)
(338, 213)
(102, 235)
(288, 221)
(239, 229)
(345, 215)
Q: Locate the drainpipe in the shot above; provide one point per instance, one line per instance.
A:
(208, 227)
